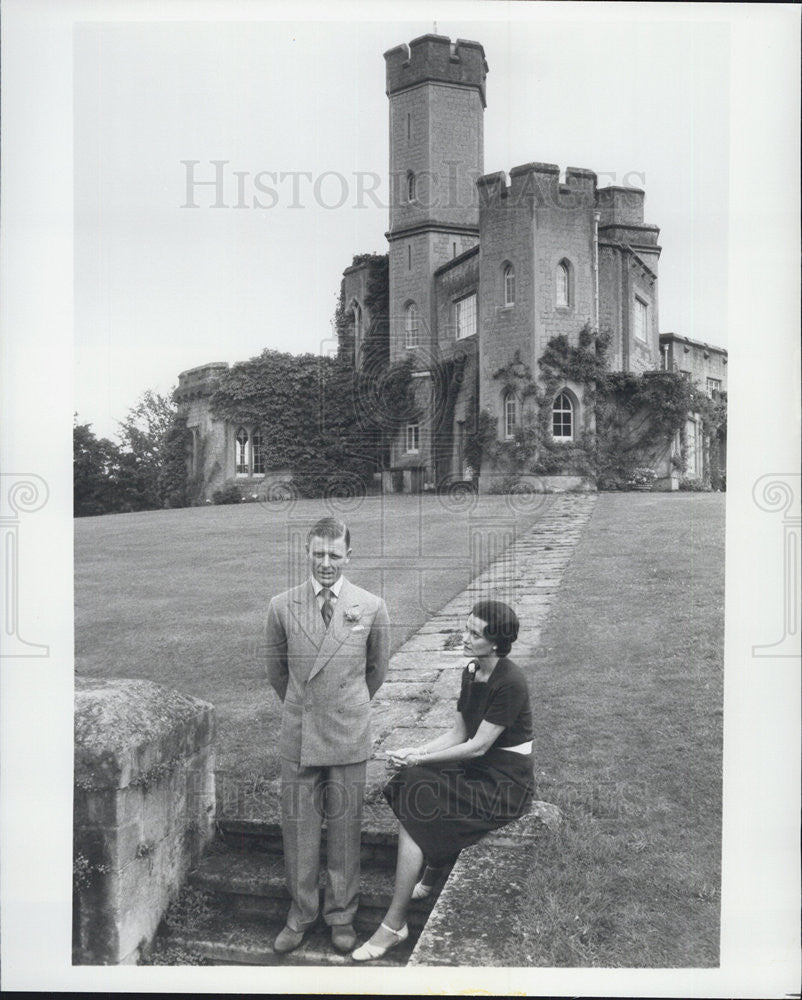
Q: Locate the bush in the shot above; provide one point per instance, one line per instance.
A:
(228, 494)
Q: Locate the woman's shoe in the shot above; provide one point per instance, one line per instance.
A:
(427, 882)
(367, 952)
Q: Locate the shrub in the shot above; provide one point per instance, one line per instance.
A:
(228, 494)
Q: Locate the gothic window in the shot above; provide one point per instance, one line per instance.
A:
(241, 452)
(410, 186)
(509, 285)
(562, 418)
(413, 438)
(510, 415)
(564, 284)
(466, 316)
(641, 319)
(258, 454)
(411, 326)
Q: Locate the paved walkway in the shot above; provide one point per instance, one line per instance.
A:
(419, 696)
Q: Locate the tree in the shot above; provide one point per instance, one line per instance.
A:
(95, 464)
(146, 436)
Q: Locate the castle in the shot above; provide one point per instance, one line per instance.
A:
(484, 271)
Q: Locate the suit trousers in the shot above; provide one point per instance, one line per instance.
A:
(307, 795)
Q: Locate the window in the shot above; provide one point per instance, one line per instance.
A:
(249, 455)
(509, 285)
(242, 465)
(409, 256)
(357, 323)
(258, 453)
(510, 415)
(411, 326)
(562, 418)
(409, 127)
(413, 438)
(563, 284)
(466, 316)
(410, 186)
(713, 387)
(641, 319)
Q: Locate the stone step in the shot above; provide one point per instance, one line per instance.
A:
(251, 883)
(228, 938)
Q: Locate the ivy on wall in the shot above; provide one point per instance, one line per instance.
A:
(627, 419)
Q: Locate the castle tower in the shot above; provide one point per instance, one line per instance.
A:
(436, 90)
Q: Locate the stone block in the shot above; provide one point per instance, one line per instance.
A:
(143, 810)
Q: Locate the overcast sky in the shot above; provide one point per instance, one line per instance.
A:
(160, 287)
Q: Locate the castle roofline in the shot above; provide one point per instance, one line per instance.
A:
(620, 187)
(436, 59)
(680, 339)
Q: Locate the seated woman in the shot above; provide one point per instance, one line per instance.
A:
(476, 777)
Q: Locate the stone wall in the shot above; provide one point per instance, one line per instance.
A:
(143, 811)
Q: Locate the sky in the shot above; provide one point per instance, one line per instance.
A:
(162, 286)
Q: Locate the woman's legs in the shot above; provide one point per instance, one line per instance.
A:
(407, 870)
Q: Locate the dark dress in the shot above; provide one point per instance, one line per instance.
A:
(445, 807)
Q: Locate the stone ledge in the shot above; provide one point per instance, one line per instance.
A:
(126, 730)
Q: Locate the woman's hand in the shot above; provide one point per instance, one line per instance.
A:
(397, 759)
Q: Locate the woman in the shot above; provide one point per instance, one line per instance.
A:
(478, 776)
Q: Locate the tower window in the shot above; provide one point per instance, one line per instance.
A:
(563, 284)
(410, 186)
(357, 310)
(411, 326)
(510, 415)
(409, 127)
(409, 256)
(413, 438)
(562, 418)
(466, 316)
(641, 319)
(509, 285)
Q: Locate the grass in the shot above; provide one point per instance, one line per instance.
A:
(179, 597)
(628, 715)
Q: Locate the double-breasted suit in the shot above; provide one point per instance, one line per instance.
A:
(325, 677)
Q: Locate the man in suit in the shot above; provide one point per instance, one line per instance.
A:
(327, 655)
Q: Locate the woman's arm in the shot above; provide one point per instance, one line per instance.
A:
(486, 735)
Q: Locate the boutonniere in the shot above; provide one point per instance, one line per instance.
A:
(353, 614)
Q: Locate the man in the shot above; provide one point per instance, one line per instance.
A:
(327, 655)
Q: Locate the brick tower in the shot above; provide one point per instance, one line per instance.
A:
(436, 90)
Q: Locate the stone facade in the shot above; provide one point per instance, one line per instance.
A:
(484, 271)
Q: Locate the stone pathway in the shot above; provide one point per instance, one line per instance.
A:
(417, 700)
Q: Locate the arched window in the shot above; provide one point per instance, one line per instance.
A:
(258, 452)
(562, 418)
(410, 186)
(509, 285)
(564, 284)
(241, 452)
(510, 415)
(411, 325)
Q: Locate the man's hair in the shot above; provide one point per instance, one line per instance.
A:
(329, 527)
(502, 623)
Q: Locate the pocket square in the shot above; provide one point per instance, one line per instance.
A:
(358, 628)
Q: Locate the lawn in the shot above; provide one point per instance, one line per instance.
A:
(180, 596)
(628, 714)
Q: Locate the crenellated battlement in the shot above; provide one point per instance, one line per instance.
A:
(621, 206)
(540, 182)
(436, 58)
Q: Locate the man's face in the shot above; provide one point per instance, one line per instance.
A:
(327, 557)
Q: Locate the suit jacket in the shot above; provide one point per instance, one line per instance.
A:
(326, 677)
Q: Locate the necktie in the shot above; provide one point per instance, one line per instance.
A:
(328, 608)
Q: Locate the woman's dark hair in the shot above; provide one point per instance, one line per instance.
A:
(502, 624)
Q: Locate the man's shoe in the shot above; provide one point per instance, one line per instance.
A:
(343, 937)
(288, 940)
